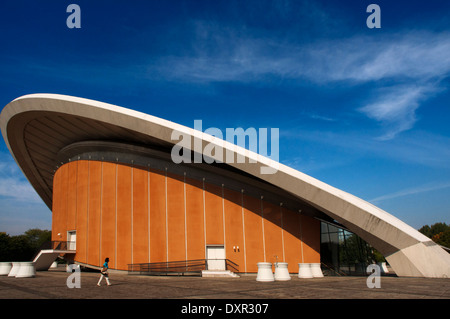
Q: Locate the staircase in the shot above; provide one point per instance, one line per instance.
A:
(49, 251)
(219, 273)
(197, 267)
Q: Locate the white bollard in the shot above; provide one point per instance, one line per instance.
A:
(26, 270)
(14, 269)
(281, 271)
(72, 267)
(304, 270)
(316, 270)
(265, 272)
(383, 267)
(5, 268)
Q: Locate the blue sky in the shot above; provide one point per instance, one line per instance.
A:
(365, 110)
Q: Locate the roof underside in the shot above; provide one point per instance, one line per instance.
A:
(45, 134)
(39, 137)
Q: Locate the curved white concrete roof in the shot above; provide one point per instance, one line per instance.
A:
(37, 126)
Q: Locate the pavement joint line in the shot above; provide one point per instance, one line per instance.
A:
(29, 290)
(52, 285)
(311, 285)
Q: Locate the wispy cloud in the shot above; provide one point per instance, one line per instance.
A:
(227, 56)
(418, 148)
(17, 189)
(12, 183)
(409, 55)
(322, 118)
(395, 107)
(412, 191)
(408, 67)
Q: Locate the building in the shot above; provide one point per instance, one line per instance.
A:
(107, 175)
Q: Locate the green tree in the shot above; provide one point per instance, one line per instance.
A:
(354, 250)
(22, 247)
(378, 257)
(426, 230)
(36, 237)
(5, 247)
(442, 238)
(439, 228)
(438, 232)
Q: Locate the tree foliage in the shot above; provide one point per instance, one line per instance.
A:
(22, 247)
(438, 232)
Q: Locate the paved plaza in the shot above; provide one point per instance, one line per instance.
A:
(189, 291)
(52, 284)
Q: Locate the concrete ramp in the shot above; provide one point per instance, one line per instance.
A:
(46, 257)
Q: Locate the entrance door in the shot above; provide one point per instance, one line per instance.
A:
(72, 240)
(216, 257)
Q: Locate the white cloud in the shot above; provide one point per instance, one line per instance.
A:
(12, 183)
(415, 55)
(395, 107)
(21, 207)
(422, 148)
(18, 189)
(412, 191)
(410, 64)
(224, 55)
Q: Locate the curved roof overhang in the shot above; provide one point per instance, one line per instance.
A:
(37, 127)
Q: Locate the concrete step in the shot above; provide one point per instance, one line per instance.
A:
(219, 273)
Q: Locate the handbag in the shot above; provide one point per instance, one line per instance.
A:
(104, 271)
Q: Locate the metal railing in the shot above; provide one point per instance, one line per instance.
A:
(180, 268)
(58, 245)
(331, 270)
(353, 269)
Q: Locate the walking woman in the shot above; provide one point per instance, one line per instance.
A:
(104, 273)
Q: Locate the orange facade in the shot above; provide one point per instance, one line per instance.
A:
(138, 215)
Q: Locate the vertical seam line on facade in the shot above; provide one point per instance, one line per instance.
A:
(148, 209)
(167, 226)
(243, 230)
(101, 214)
(262, 226)
(301, 236)
(204, 217)
(185, 219)
(87, 212)
(132, 206)
(67, 201)
(223, 222)
(116, 263)
(282, 231)
(76, 199)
